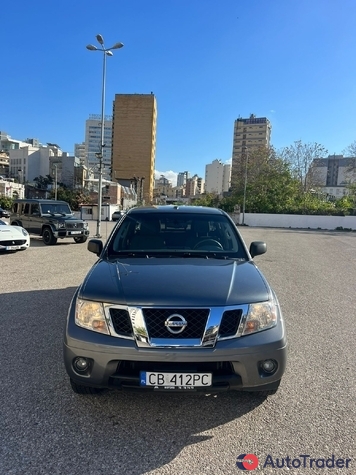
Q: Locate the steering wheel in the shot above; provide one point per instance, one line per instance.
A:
(208, 244)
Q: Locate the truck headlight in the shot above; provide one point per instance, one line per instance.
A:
(90, 315)
(261, 316)
(61, 225)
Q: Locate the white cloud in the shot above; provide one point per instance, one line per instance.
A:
(170, 175)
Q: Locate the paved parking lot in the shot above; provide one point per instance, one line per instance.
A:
(47, 429)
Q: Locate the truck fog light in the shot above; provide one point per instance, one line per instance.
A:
(269, 366)
(81, 364)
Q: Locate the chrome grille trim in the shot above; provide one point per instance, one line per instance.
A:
(210, 335)
(74, 225)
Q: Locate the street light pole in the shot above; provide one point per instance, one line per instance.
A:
(55, 182)
(245, 186)
(100, 154)
(141, 189)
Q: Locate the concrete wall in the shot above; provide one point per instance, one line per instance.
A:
(296, 221)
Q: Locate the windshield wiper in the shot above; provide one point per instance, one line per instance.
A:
(212, 255)
(146, 254)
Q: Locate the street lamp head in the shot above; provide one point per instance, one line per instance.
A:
(91, 47)
(100, 39)
(109, 53)
(117, 45)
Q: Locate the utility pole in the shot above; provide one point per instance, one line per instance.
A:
(55, 181)
(141, 189)
(245, 185)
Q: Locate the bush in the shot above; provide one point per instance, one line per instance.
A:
(6, 202)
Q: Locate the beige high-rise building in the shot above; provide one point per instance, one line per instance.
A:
(134, 142)
(249, 134)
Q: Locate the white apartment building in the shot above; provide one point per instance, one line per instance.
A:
(29, 162)
(4, 164)
(67, 169)
(182, 178)
(11, 189)
(331, 175)
(93, 145)
(217, 177)
(7, 143)
(79, 151)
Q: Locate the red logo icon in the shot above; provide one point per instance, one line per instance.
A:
(247, 462)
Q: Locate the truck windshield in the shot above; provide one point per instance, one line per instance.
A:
(56, 208)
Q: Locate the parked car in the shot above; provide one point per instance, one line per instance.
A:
(13, 238)
(117, 215)
(175, 302)
(4, 213)
(50, 219)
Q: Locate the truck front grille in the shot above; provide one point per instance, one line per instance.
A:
(121, 321)
(155, 322)
(74, 225)
(230, 323)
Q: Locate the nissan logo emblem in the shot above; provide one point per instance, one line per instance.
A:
(175, 324)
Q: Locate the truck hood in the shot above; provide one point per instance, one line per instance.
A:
(175, 282)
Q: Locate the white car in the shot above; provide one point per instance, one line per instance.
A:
(13, 238)
(117, 215)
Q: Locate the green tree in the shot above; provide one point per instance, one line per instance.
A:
(302, 158)
(350, 149)
(75, 198)
(6, 202)
(351, 165)
(42, 182)
(228, 203)
(351, 197)
(208, 199)
(270, 184)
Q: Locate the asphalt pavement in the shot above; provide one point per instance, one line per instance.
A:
(47, 429)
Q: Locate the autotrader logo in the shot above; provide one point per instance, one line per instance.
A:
(247, 462)
(251, 461)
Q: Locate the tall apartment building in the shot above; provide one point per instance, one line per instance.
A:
(249, 135)
(68, 170)
(182, 178)
(162, 185)
(93, 145)
(217, 177)
(79, 151)
(194, 186)
(134, 140)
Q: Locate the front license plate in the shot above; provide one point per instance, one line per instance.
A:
(75, 232)
(175, 380)
(12, 248)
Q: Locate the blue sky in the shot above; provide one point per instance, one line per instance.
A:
(208, 62)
